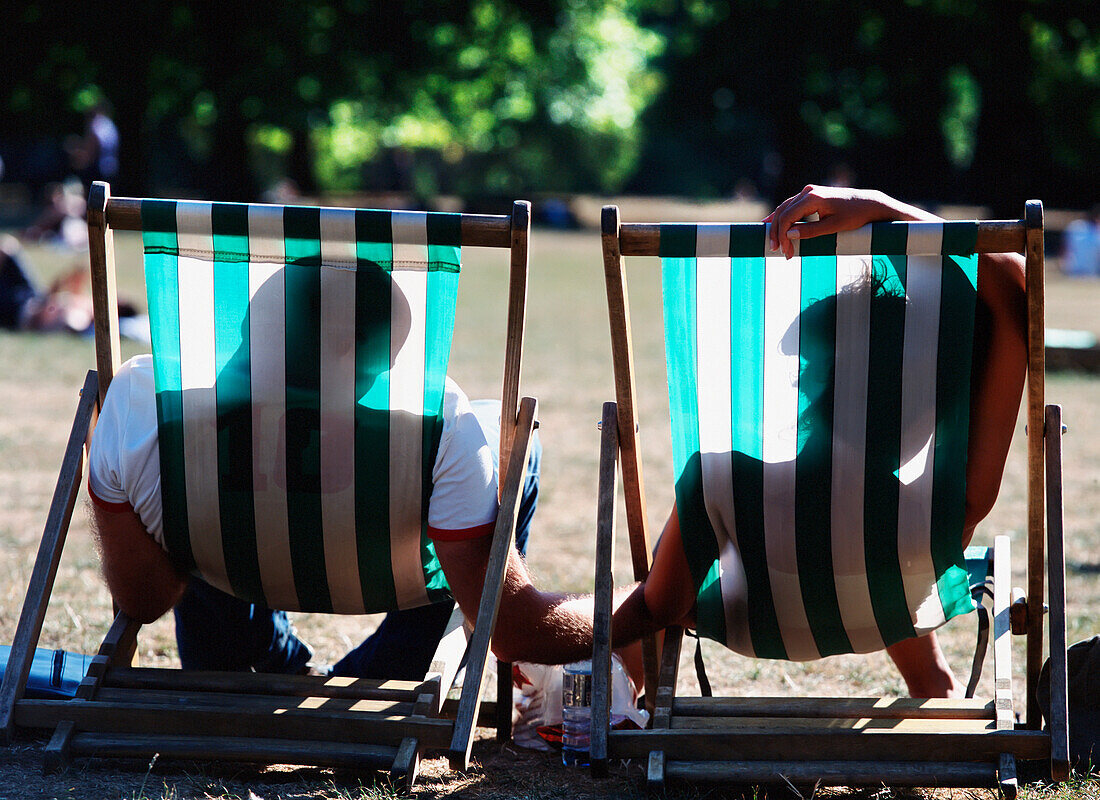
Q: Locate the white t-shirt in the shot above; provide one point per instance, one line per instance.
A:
(124, 460)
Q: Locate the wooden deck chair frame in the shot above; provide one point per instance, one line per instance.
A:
(906, 742)
(121, 710)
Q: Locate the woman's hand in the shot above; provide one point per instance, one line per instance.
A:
(837, 209)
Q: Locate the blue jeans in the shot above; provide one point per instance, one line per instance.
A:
(216, 631)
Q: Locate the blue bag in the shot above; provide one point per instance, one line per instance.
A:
(55, 674)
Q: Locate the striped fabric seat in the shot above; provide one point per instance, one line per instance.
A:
(820, 413)
(300, 356)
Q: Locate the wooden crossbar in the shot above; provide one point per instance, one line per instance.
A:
(175, 700)
(333, 754)
(994, 236)
(834, 707)
(286, 723)
(831, 744)
(849, 773)
(478, 230)
(288, 685)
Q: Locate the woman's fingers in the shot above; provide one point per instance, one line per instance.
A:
(786, 214)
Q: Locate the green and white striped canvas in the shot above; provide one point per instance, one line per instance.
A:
(300, 356)
(820, 414)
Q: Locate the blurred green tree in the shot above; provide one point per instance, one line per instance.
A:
(457, 95)
(963, 100)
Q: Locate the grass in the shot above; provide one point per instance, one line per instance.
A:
(567, 366)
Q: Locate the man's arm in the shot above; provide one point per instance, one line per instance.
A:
(142, 579)
(554, 628)
(532, 625)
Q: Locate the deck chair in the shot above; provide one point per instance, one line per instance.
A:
(773, 366)
(322, 334)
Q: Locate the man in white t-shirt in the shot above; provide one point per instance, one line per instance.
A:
(217, 631)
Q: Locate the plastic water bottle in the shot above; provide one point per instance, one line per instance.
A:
(576, 713)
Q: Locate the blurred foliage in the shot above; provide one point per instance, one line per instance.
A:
(954, 99)
(431, 95)
(959, 100)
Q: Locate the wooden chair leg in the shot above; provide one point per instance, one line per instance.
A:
(662, 712)
(46, 561)
(1056, 596)
(504, 702)
(447, 658)
(406, 764)
(655, 774)
(117, 649)
(503, 537)
(1007, 783)
(59, 750)
(605, 545)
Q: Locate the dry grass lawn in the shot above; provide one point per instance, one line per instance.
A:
(567, 366)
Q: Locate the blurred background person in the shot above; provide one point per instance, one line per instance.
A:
(1081, 246)
(94, 156)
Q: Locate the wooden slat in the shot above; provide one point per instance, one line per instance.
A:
(1007, 780)
(662, 708)
(503, 538)
(447, 659)
(406, 765)
(250, 683)
(1002, 635)
(1036, 355)
(655, 773)
(334, 754)
(994, 236)
(1004, 702)
(501, 709)
(45, 563)
(120, 642)
(1017, 612)
(101, 258)
(1058, 718)
(828, 745)
(150, 718)
(622, 357)
(255, 702)
(666, 685)
(406, 762)
(838, 773)
(59, 749)
(517, 320)
(833, 707)
(478, 230)
(605, 588)
(93, 676)
(824, 724)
